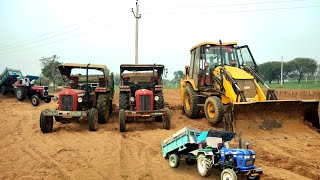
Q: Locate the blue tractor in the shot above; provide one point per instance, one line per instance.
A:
(210, 149)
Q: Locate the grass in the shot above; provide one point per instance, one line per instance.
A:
(311, 85)
(294, 85)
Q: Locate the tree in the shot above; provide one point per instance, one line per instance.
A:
(270, 70)
(304, 67)
(50, 70)
(117, 79)
(177, 76)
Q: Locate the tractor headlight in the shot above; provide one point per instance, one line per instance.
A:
(55, 99)
(247, 156)
(156, 98)
(132, 99)
(79, 99)
(253, 156)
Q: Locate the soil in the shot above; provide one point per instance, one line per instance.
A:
(286, 147)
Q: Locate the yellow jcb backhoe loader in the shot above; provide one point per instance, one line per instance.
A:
(222, 81)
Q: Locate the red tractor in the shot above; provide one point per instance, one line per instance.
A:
(25, 87)
(141, 94)
(78, 100)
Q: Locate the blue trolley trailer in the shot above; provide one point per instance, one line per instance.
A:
(210, 149)
(7, 78)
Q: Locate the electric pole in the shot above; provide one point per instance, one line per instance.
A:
(281, 70)
(137, 16)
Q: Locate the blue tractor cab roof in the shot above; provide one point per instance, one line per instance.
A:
(30, 77)
(225, 135)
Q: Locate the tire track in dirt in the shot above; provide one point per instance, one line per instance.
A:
(286, 158)
(45, 159)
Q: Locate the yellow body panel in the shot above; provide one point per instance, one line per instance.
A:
(235, 72)
(260, 95)
(213, 43)
(229, 91)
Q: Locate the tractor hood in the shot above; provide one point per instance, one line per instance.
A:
(235, 72)
(237, 151)
(67, 91)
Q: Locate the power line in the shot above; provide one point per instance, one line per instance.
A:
(238, 4)
(32, 42)
(252, 10)
(11, 45)
(64, 39)
(255, 3)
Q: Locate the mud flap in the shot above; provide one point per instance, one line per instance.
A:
(256, 113)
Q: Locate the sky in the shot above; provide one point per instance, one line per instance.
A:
(103, 32)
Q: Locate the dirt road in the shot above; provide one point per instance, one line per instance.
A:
(72, 152)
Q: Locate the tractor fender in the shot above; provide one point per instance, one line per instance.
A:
(183, 84)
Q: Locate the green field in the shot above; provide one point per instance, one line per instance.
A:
(294, 85)
(287, 85)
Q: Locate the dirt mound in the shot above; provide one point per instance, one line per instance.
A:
(73, 152)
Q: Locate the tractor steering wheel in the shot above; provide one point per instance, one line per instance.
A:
(64, 78)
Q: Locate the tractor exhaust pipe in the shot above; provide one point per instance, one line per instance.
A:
(87, 83)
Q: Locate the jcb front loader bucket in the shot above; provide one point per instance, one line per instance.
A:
(271, 114)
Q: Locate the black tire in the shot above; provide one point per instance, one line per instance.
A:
(190, 101)
(228, 174)
(213, 109)
(174, 160)
(167, 120)
(21, 93)
(47, 100)
(123, 100)
(46, 123)
(4, 90)
(93, 119)
(103, 106)
(35, 100)
(204, 165)
(122, 120)
(160, 103)
(190, 161)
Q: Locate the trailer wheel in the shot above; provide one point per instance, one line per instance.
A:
(21, 93)
(46, 123)
(213, 109)
(103, 108)
(167, 119)
(228, 174)
(93, 119)
(204, 165)
(47, 100)
(190, 102)
(122, 120)
(174, 160)
(35, 100)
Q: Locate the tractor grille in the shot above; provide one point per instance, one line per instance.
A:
(248, 87)
(66, 103)
(144, 103)
(45, 91)
(250, 162)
